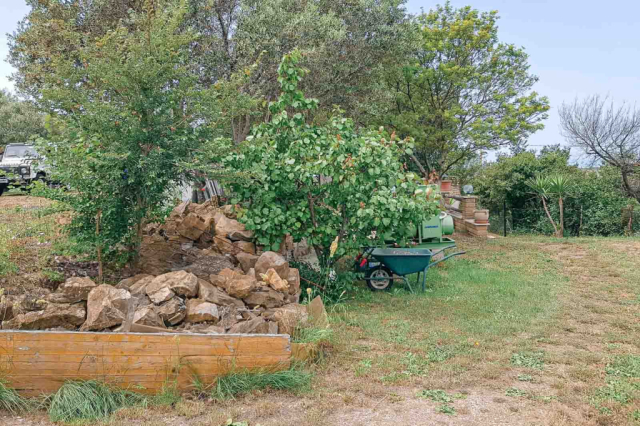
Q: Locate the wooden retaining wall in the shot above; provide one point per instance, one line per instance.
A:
(36, 362)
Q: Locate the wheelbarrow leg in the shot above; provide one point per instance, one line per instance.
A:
(404, 277)
(424, 278)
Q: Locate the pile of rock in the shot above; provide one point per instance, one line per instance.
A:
(201, 236)
(261, 297)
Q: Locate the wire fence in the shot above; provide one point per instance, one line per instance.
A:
(577, 223)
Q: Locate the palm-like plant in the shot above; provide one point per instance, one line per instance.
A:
(541, 186)
(560, 186)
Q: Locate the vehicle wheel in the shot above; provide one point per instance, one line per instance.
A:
(384, 281)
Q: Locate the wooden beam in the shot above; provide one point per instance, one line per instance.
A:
(33, 362)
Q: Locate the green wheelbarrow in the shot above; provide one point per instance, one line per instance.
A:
(380, 264)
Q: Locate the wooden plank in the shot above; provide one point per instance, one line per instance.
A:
(40, 361)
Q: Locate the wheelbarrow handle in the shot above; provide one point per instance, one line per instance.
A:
(447, 257)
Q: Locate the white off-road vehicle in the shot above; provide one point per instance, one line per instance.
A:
(19, 166)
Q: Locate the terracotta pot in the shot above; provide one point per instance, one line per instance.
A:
(481, 216)
(445, 186)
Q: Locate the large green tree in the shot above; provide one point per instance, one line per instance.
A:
(346, 45)
(461, 90)
(20, 121)
(129, 112)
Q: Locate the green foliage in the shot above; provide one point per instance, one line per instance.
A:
(328, 184)
(528, 359)
(593, 206)
(241, 382)
(625, 366)
(124, 130)
(90, 400)
(11, 401)
(304, 334)
(462, 91)
(333, 286)
(20, 122)
(515, 392)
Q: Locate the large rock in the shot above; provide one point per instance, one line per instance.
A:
(265, 297)
(221, 279)
(75, 289)
(317, 313)
(269, 260)
(147, 315)
(165, 286)
(229, 316)
(241, 286)
(275, 282)
(247, 261)
(213, 294)
(107, 306)
(128, 282)
(289, 317)
(172, 312)
(208, 265)
(68, 316)
(245, 247)
(231, 228)
(294, 281)
(140, 286)
(194, 225)
(225, 245)
(253, 326)
(199, 310)
(230, 211)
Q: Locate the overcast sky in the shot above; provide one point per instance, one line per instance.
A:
(576, 47)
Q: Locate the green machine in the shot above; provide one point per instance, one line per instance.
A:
(431, 234)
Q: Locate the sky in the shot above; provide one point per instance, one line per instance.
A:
(576, 47)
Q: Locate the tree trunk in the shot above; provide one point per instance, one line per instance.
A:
(99, 248)
(546, 210)
(561, 206)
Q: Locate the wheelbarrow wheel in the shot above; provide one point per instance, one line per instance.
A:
(383, 281)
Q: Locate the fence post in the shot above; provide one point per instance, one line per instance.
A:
(504, 218)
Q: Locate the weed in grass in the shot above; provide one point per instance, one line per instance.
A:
(436, 395)
(168, 396)
(545, 398)
(515, 392)
(241, 382)
(363, 367)
(615, 391)
(447, 409)
(53, 276)
(10, 400)
(635, 416)
(441, 353)
(525, 378)
(624, 366)
(528, 359)
(311, 335)
(90, 400)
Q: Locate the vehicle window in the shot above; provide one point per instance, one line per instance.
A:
(20, 151)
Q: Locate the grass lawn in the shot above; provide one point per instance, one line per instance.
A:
(521, 330)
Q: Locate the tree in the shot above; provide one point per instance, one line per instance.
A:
(129, 114)
(554, 185)
(607, 133)
(326, 183)
(540, 186)
(347, 43)
(461, 91)
(20, 122)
